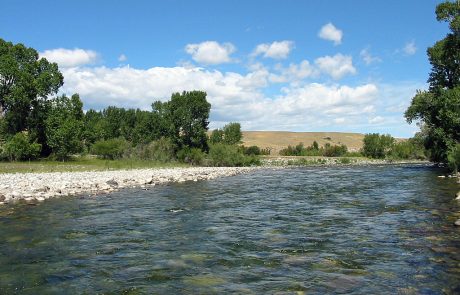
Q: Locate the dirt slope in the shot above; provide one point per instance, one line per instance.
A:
(277, 140)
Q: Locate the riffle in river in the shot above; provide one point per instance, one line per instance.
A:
(316, 230)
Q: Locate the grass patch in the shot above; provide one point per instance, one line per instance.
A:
(86, 163)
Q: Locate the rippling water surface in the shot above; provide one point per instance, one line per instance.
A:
(360, 230)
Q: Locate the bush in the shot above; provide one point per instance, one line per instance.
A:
(345, 161)
(377, 146)
(111, 148)
(335, 150)
(314, 150)
(20, 148)
(193, 156)
(223, 155)
(252, 150)
(161, 150)
(453, 158)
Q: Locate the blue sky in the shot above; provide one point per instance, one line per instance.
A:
(270, 65)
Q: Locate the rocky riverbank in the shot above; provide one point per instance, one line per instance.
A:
(273, 161)
(41, 186)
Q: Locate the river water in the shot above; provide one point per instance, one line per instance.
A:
(359, 230)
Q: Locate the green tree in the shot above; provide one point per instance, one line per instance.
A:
(25, 83)
(111, 148)
(185, 118)
(64, 126)
(377, 146)
(232, 133)
(19, 147)
(217, 136)
(315, 146)
(439, 107)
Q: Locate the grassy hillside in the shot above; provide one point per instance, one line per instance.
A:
(277, 140)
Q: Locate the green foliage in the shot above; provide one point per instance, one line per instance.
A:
(186, 117)
(232, 133)
(252, 150)
(377, 146)
(64, 126)
(217, 136)
(161, 150)
(26, 82)
(255, 151)
(334, 150)
(193, 156)
(298, 150)
(315, 146)
(345, 161)
(453, 158)
(438, 109)
(223, 155)
(408, 149)
(111, 148)
(19, 147)
(314, 150)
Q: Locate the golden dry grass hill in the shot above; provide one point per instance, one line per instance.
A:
(277, 140)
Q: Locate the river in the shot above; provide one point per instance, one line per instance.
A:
(360, 230)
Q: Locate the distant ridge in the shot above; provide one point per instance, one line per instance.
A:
(277, 140)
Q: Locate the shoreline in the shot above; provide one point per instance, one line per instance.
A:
(298, 161)
(38, 187)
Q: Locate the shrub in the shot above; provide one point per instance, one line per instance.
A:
(193, 156)
(111, 148)
(345, 161)
(20, 148)
(377, 146)
(252, 150)
(161, 150)
(453, 158)
(230, 155)
(335, 150)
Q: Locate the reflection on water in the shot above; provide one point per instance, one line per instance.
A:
(361, 230)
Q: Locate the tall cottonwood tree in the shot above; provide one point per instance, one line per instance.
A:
(438, 108)
(26, 81)
(185, 118)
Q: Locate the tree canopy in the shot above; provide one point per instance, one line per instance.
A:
(438, 108)
(25, 82)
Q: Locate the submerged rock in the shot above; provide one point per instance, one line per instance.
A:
(457, 222)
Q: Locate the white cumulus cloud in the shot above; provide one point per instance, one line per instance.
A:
(275, 50)
(233, 96)
(336, 66)
(70, 57)
(331, 33)
(210, 52)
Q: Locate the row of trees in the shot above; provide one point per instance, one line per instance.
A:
(65, 129)
(375, 146)
(34, 125)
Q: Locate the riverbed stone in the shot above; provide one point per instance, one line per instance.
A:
(457, 222)
(46, 185)
(112, 183)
